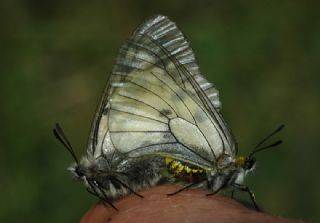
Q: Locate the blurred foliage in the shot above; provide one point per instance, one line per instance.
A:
(55, 59)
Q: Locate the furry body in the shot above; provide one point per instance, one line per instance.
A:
(120, 178)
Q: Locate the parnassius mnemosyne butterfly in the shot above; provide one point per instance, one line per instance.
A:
(159, 114)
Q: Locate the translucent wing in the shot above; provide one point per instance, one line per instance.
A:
(172, 44)
(157, 102)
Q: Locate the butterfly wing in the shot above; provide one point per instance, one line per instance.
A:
(157, 102)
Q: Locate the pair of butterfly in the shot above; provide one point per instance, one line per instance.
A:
(159, 118)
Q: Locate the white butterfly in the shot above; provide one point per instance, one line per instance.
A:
(156, 93)
(158, 112)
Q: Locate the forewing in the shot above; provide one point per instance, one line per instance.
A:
(174, 50)
(157, 102)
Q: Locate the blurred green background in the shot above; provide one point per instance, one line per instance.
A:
(55, 59)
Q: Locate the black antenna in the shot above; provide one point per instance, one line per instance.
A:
(265, 147)
(59, 134)
(268, 137)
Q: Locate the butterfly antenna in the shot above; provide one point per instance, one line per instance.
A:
(265, 147)
(59, 134)
(269, 136)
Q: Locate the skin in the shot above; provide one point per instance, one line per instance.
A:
(188, 206)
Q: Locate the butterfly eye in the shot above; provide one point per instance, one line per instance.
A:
(79, 171)
(249, 164)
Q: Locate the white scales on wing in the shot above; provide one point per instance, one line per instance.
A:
(157, 102)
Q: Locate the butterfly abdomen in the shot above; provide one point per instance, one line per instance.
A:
(184, 172)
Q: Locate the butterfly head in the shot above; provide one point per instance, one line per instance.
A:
(78, 170)
(81, 170)
(246, 163)
(84, 170)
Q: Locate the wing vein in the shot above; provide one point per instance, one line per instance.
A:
(146, 117)
(155, 95)
(144, 104)
(189, 112)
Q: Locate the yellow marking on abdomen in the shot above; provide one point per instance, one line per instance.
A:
(177, 167)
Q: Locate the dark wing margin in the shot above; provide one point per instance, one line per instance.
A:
(158, 42)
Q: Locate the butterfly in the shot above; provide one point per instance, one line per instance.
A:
(159, 117)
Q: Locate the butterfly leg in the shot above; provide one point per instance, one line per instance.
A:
(104, 198)
(215, 192)
(219, 189)
(251, 194)
(126, 186)
(182, 189)
(232, 194)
